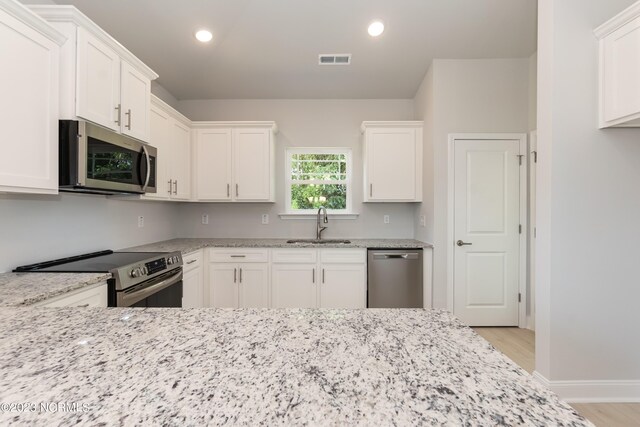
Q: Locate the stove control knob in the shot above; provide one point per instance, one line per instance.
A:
(175, 259)
(145, 270)
(135, 273)
(169, 260)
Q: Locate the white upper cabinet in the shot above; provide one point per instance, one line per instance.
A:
(100, 80)
(213, 164)
(135, 94)
(235, 162)
(29, 48)
(392, 161)
(171, 136)
(620, 69)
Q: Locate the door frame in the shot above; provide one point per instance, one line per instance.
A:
(522, 276)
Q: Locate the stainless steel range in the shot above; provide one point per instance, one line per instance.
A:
(140, 279)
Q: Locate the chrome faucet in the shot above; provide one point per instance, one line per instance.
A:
(320, 229)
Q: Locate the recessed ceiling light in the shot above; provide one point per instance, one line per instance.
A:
(204, 36)
(376, 28)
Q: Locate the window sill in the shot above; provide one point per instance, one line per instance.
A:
(313, 215)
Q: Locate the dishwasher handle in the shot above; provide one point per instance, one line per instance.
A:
(407, 255)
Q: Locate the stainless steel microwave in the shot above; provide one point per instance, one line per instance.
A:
(99, 161)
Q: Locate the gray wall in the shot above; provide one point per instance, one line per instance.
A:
(39, 228)
(310, 123)
(463, 96)
(588, 209)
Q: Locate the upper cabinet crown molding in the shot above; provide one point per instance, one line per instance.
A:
(623, 18)
(27, 17)
(620, 69)
(159, 103)
(236, 124)
(64, 13)
(390, 124)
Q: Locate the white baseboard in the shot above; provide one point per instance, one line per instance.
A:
(597, 391)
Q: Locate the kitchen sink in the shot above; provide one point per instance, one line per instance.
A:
(319, 242)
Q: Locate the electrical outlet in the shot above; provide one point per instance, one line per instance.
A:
(205, 219)
(140, 221)
(265, 219)
(423, 220)
(386, 219)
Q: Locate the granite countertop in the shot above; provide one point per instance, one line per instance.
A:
(18, 289)
(189, 245)
(270, 367)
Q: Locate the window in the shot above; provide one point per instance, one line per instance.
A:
(318, 177)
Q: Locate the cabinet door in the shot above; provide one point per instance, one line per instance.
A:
(621, 70)
(253, 286)
(223, 285)
(136, 98)
(252, 164)
(343, 286)
(29, 108)
(293, 286)
(391, 164)
(160, 126)
(180, 160)
(98, 82)
(193, 288)
(213, 164)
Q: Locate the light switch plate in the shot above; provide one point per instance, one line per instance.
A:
(423, 220)
(265, 219)
(205, 219)
(140, 221)
(386, 219)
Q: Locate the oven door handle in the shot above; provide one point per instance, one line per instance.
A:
(146, 155)
(132, 298)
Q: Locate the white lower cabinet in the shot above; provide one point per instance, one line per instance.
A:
(238, 279)
(324, 278)
(93, 296)
(193, 281)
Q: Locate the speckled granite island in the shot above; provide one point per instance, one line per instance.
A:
(190, 245)
(268, 367)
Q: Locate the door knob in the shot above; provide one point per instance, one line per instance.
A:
(461, 243)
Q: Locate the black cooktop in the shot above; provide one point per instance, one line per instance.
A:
(96, 262)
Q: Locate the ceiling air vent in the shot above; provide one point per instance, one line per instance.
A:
(335, 59)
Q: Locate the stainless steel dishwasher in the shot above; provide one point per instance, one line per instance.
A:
(394, 278)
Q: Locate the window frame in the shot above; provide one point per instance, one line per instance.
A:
(348, 152)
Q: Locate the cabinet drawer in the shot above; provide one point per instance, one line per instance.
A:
(294, 256)
(192, 260)
(238, 255)
(95, 296)
(343, 256)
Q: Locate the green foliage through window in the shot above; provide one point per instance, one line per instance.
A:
(319, 180)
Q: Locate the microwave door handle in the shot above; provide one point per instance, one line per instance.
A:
(146, 155)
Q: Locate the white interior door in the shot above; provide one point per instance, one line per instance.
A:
(486, 232)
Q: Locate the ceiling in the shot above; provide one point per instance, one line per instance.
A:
(269, 48)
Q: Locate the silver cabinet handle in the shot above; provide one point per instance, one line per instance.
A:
(461, 243)
(175, 191)
(228, 190)
(238, 256)
(83, 305)
(235, 275)
(119, 117)
(237, 191)
(323, 275)
(240, 275)
(192, 261)
(170, 186)
(370, 190)
(314, 276)
(128, 114)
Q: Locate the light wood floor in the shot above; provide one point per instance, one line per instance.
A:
(519, 345)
